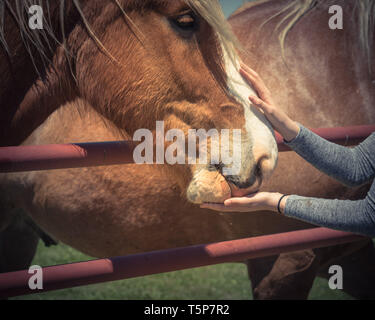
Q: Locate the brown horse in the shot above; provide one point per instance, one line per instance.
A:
(133, 63)
(125, 209)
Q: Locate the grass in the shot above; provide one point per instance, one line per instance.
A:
(220, 282)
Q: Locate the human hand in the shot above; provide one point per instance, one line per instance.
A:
(288, 128)
(262, 201)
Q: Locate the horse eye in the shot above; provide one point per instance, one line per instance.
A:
(186, 22)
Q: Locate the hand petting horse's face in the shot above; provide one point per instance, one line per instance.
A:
(167, 63)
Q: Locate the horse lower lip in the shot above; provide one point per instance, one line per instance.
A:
(242, 192)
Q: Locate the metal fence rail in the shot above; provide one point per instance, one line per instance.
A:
(35, 158)
(97, 271)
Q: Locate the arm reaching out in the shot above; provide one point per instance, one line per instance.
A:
(350, 166)
(345, 215)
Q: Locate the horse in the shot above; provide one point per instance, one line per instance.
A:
(128, 209)
(132, 64)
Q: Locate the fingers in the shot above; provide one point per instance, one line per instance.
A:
(247, 69)
(260, 104)
(248, 74)
(253, 78)
(243, 204)
(239, 202)
(218, 207)
(263, 92)
(249, 77)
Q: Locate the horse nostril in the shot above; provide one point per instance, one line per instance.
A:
(244, 185)
(219, 167)
(234, 180)
(258, 171)
(265, 166)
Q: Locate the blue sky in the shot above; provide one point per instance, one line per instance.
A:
(230, 5)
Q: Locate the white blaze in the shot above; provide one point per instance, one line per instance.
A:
(260, 132)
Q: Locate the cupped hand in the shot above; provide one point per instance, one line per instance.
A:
(262, 201)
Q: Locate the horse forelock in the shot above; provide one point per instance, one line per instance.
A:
(211, 11)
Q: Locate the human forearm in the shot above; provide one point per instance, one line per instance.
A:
(350, 166)
(351, 216)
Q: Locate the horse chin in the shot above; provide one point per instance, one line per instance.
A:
(208, 187)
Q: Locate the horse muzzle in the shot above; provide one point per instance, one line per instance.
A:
(211, 184)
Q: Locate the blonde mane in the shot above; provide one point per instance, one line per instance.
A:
(211, 11)
(294, 10)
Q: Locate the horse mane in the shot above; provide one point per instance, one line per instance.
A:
(294, 10)
(366, 12)
(210, 10)
(41, 40)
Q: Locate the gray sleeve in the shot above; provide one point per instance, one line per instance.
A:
(351, 216)
(351, 166)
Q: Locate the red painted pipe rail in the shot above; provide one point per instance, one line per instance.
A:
(35, 158)
(97, 271)
(64, 156)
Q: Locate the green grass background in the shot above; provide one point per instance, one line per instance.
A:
(226, 281)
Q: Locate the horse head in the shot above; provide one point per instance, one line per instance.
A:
(140, 62)
(175, 61)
